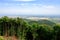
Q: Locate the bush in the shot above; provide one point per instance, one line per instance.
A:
(1, 38)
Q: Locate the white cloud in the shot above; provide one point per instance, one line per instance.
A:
(43, 10)
(15, 10)
(48, 6)
(23, 0)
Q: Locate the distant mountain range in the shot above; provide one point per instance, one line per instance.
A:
(43, 20)
(39, 18)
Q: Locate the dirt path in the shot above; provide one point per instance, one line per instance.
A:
(10, 38)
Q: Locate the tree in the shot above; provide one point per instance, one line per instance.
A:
(57, 32)
(44, 33)
(5, 25)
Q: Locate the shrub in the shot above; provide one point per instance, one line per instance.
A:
(1, 38)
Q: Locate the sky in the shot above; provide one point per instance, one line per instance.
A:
(29, 7)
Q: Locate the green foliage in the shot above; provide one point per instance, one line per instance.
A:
(57, 32)
(29, 30)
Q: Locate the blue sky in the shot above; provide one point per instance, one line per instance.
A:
(29, 7)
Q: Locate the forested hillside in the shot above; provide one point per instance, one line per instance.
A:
(23, 29)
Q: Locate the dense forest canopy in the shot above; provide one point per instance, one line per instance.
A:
(29, 30)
